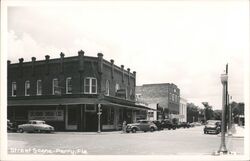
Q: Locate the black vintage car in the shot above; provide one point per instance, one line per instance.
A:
(169, 124)
(11, 127)
(158, 124)
(184, 125)
(212, 126)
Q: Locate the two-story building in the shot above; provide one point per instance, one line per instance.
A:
(164, 98)
(66, 92)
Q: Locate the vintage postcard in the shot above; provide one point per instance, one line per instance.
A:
(124, 80)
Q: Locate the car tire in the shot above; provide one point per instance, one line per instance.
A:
(20, 130)
(133, 130)
(152, 129)
(169, 128)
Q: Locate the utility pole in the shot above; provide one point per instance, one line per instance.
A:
(99, 118)
(230, 117)
(227, 101)
(224, 79)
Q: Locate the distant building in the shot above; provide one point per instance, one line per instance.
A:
(165, 98)
(183, 110)
(66, 92)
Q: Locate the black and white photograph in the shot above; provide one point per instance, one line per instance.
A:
(125, 80)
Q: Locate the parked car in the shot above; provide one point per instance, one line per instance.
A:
(195, 124)
(158, 124)
(141, 125)
(11, 127)
(212, 126)
(35, 126)
(169, 124)
(184, 125)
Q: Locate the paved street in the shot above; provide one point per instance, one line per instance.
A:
(190, 141)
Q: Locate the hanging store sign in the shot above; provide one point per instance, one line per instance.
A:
(46, 115)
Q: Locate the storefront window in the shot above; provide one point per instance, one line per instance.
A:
(90, 108)
(108, 116)
(72, 113)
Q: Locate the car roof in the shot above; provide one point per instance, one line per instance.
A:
(37, 120)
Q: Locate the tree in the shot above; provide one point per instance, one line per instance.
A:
(192, 112)
(237, 110)
(208, 111)
(217, 114)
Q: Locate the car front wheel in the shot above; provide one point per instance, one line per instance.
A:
(134, 130)
(20, 130)
(152, 129)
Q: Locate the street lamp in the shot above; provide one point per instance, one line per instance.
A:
(223, 149)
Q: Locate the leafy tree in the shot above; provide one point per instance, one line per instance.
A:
(192, 112)
(208, 111)
(217, 114)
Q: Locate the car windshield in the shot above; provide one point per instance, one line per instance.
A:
(37, 122)
(211, 123)
(40, 122)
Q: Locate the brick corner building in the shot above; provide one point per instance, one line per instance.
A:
(66, 91)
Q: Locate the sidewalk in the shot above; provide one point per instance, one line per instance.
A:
(89, 133)
(236, 132)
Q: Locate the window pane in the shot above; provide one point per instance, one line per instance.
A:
(27, 88)
(13, 88)
(87, 85)
(107, 87)
(93, 82)
(69, 85)
(87, 82)
(39, 87)
(56, 87)
(94, 90)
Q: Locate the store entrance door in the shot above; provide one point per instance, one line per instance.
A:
(71, 117)
(91, 118)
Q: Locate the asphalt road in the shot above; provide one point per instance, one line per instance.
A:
(190, 141)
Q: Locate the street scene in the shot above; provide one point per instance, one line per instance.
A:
(188, 141)
(126, 78)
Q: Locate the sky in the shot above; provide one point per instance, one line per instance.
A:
(187, 43)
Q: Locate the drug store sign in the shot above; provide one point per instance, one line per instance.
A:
(47, 115)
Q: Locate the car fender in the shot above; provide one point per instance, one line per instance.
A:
(136, 127)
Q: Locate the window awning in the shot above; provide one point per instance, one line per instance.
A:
(54, 101)
(75, 101)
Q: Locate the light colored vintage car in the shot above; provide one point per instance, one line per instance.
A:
(35, 126)
(141, 125)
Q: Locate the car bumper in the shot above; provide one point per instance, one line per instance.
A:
(211, 130)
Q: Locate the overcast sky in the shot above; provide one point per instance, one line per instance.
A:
(187, 43)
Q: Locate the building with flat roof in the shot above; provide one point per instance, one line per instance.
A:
(164, 97)
(183, 110)
(66, 92)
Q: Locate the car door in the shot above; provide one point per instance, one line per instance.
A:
(145, 125)
(30, 126)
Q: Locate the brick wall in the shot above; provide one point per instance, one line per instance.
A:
(47, 70)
